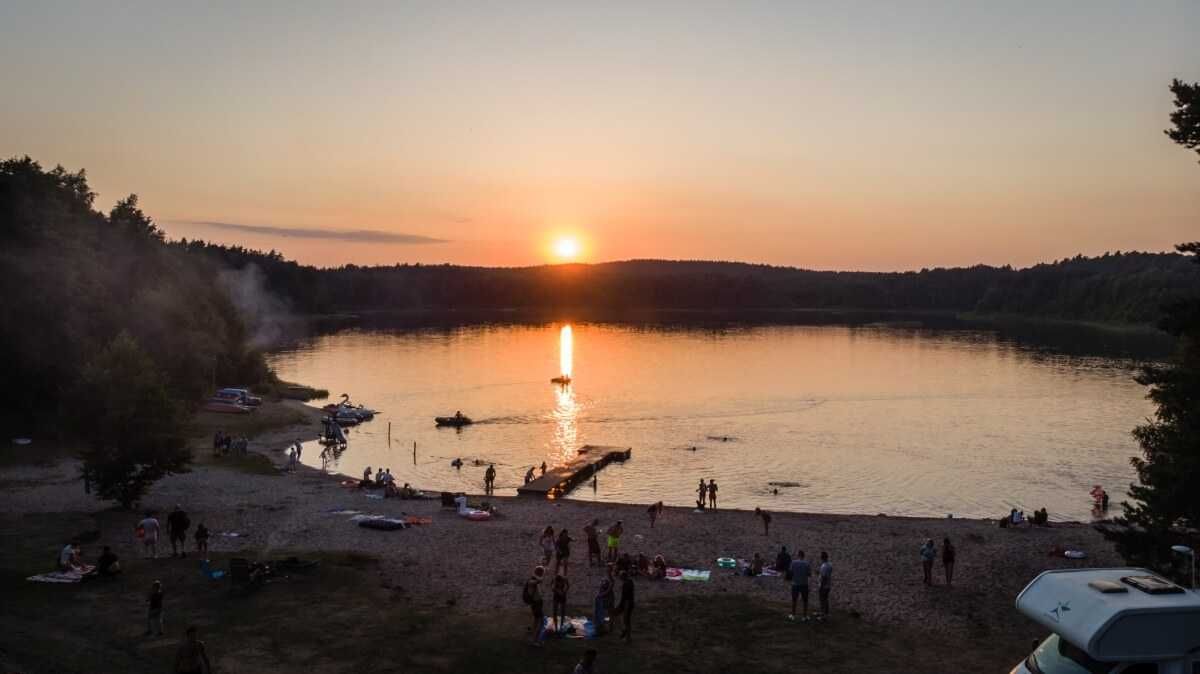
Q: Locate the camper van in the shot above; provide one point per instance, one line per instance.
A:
(1111, 621)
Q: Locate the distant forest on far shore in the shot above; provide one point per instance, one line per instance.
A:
(1129, 287)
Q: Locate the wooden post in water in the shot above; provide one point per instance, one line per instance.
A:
(389, 434)
(414, 452)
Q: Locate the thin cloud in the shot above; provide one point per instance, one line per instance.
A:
(357, 235)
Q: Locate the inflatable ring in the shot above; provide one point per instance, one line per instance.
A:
(479, 515)
(1075, 554)
(726, 562)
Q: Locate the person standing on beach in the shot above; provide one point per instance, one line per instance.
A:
(614, 540)
(547, 542)
(625, 608)
(532, 595)
(593, 543)
(562, 551)
(489, 479)
(558, 608)
(766, 520)
(191, 657)
(783, 561)
(149, 533)
(154, 616)
(701, 494)
(202, 540)
(948, 555)
(177, 526)
(824, 584)
(800, 572)
(603, 602)
(928, 554)
(654, 511)
(712, 493)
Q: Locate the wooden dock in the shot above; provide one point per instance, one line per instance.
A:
(560, 480)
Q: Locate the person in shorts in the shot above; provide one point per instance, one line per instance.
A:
(614, 540)
(800, 572)
(149, 533)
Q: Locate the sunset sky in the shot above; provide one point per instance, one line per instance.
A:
(888, 135)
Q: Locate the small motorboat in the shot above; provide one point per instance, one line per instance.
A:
(561, 379)
(456, 421)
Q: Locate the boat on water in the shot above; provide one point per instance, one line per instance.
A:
(456, 421)
(561, 379)
(349, 414)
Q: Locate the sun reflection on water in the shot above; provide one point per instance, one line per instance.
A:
(566, 407)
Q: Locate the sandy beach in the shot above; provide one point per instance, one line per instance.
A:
(479, 566)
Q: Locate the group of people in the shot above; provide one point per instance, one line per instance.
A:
(224, 443)
(178, 523)
(929, 553)
(1016, 518)
(605, 602)
(294, 451)
(706, 494)
(529, 473)
(383, 480)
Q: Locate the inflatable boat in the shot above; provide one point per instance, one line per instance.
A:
(455, 421)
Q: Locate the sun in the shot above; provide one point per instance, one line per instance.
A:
(566, 248)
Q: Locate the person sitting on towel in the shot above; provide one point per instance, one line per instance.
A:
(659, 569)
(68, 558)
(108, 564)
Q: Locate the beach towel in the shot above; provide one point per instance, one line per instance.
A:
(343, 511)
(231, 534)
(414, 520)
(573, 627)
(694, 575)
(62, 576)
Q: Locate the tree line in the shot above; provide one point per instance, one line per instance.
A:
(1129, 287)
(108, 333)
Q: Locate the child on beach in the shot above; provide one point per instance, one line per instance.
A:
(766, 520)
(559, 607)
(547, 541)
(154, 611)
(593, 543)
(202, 540)
(948, 555)
(148, 531)
(654, 511)
(824, 584)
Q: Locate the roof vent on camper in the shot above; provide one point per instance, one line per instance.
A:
(1108, 586)
(1152, 585)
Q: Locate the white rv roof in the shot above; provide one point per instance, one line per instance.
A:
(1128, 625)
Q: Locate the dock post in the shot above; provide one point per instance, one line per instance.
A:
(389, 434)
(414, 452)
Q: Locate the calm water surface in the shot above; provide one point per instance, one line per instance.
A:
(863, 419)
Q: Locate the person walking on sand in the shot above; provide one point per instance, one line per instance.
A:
(593, 542)
(148, 530)
(824, 584)
(562, 551)
(177, 527)
(532, 596)
(766, 520)
(654, 511)
(191, 657)
(712, 494)
(154, 612)
(489, 479)
(928, 554)
(558, 609)
(799, 574)
(614, 540)
(948, 555)
(547, 542)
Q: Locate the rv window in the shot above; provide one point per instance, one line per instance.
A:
(1057, 656)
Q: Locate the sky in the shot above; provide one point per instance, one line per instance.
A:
(833, 135)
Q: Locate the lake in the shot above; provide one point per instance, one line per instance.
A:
(871, 418)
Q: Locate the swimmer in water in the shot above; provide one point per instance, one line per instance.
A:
(457, 463)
